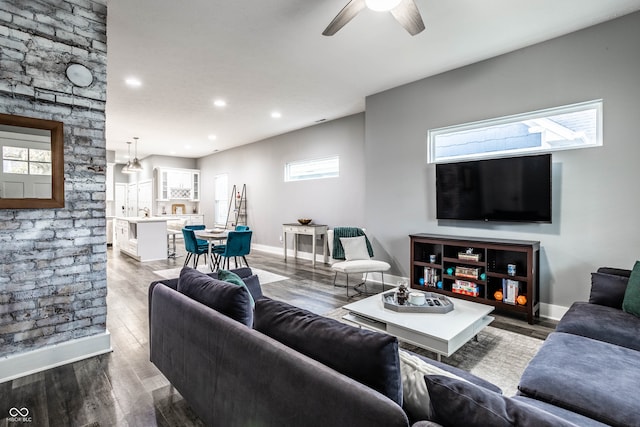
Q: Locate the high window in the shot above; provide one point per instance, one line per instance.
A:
(328, 167)
(561, 128)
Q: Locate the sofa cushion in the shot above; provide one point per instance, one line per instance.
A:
(593, 378)
(231, 300)
(608, 289)
(231, 277)
(601, 323)
(565, 414)
(366, 356)
(631, 301)
(415, 396)
(460, 403)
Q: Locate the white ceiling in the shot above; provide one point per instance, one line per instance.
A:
(263, 56)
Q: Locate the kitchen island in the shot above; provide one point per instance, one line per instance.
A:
(142, 238)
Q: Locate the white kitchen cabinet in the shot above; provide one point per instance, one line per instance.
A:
(178, 184)
(144, 239)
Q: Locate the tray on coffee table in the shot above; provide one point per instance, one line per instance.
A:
(434, 303)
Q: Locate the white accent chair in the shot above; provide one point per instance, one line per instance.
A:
(359, 266)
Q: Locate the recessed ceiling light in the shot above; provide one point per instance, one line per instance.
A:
(133, 82)
(276, 115)
(212, 137)
(220, 103)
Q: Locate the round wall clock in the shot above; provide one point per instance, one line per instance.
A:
(79, 75)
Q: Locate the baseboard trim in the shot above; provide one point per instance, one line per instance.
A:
(30, 362)
(280, 251)
(552, 311)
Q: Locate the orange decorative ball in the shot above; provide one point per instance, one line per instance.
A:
(498, 295)
(522, 300)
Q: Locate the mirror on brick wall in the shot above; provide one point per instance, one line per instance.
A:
(32, 173)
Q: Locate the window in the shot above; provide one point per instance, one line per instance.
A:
(221, 199)
(560, 128)
(26, 161)
(328, 167)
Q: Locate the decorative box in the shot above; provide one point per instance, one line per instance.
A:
(469, 272)
(468, 256)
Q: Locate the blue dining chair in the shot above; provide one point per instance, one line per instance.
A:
(242, 227)
(238, 245)
(193, 248)
(197, 227)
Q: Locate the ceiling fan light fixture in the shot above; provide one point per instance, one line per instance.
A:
(382, 5)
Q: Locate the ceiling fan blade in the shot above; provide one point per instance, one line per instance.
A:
(346, 14)
(408, 15)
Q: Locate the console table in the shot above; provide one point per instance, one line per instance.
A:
(313, 230)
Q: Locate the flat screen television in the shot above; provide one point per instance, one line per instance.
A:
(508, 189)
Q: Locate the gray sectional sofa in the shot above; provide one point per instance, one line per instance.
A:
(587, 372)
(235, 375)
(283, 366)
(591, 364)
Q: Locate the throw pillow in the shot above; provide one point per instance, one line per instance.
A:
(355, 248)
(231, 277)
(608, 289)
(368, 357)
(231, 300)
(253, 284)
(631, 301)
(415, 395)
(460, 403)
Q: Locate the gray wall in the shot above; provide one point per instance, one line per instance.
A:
(595, 219)
(388, 187)
(271, 201)
(53, 281)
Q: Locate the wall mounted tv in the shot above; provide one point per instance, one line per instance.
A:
(507, 189)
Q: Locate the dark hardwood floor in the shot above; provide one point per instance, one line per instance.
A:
(123, 388)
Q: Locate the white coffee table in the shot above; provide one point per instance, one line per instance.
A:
(440, 333)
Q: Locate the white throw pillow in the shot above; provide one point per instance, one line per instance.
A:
(355, 248)
(415, 394)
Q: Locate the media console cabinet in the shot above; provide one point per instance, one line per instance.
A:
(448, 263)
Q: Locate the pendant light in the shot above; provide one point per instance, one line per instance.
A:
(127, 168)
(135, 165)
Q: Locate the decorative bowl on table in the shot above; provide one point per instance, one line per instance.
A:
(304, 221)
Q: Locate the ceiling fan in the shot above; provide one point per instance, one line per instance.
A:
(404, 11)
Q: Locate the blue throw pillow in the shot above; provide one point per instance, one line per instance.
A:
(231, 300)
(231, 277)
(460, 403)
(368, 357)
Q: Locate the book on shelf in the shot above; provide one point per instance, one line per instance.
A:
(510, 290)
(465, 287)
(468, 272)
(431, 276)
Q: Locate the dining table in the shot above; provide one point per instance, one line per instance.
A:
(212, 236)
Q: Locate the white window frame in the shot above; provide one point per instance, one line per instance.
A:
(221, 194)
(314, 169)
(528, 118)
